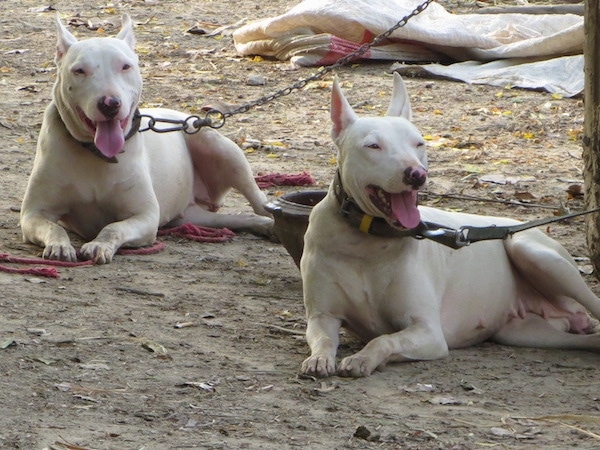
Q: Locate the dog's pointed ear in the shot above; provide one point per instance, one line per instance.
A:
(126, 33)
(342, 113)
(65, 39)
(400, 102)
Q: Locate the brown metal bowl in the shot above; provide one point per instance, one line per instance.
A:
(291, 212)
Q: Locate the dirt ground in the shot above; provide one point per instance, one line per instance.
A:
(94, 360)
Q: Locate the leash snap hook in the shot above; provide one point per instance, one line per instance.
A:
(462, 237)
(450, 237)
(345, 206)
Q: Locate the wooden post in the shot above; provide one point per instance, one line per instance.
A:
(591, 131)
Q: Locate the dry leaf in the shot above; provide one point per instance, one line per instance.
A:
(7, 343)
(153, 347)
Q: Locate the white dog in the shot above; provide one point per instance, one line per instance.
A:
(97, 176)
(411, 299)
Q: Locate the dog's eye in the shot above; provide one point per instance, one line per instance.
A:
(126, 66)
(79, 71)
(374, 146)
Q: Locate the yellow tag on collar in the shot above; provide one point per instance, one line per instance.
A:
(365, 223)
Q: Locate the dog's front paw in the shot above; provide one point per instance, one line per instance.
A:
(59, 252)
(319, 366)
(99, 252)
(357, 366)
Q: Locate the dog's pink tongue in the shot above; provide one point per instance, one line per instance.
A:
(404, 206)
(109, 137)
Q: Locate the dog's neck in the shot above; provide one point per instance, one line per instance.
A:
(135, 127)
(357, 218)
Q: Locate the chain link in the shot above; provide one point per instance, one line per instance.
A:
(216, 119)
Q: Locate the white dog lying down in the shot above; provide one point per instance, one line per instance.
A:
(159, 178)
(411, 299)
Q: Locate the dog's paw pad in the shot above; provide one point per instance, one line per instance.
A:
(356, 366)
(319, 366)
(100, 253)
(60, 253)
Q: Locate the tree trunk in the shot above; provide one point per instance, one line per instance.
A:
(591, 132)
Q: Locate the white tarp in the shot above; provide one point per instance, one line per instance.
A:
(524, 50)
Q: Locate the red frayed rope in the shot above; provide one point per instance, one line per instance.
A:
(48, 262)
(283, 179)
(50, 272)
(198, 233)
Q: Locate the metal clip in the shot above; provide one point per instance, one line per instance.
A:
(462, 237)
(451, 238)
(345, 206)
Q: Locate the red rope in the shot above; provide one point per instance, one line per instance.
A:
(282, 179)
(198, 233)
(39, 271)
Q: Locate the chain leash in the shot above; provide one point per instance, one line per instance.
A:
(216, 119)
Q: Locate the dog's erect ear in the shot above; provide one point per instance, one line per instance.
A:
(65, 39)
(126, 33)
(400, 102)
(342, 113)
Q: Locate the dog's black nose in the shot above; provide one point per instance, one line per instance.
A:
(415, 177)
(109, 106)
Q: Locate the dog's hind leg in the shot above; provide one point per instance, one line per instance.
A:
(547, 267)
(535, 331)
(220, 165)
(253, 223)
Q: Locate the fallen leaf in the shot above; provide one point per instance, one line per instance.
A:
(524, 196)
(94, 366)
(501, 432)
(324, 388)
(41, 9)
(46, 361)
(153, 347)
(208, 386)
(469, 387)
(446, 401)
(37, 331)
(7, 343)
(64, 387)
(419, 387)
(575, 191)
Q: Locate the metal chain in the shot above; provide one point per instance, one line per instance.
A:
(216, 119)
(190, 125)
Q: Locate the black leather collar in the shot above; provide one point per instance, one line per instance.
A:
(135, 127)
(357, 218)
